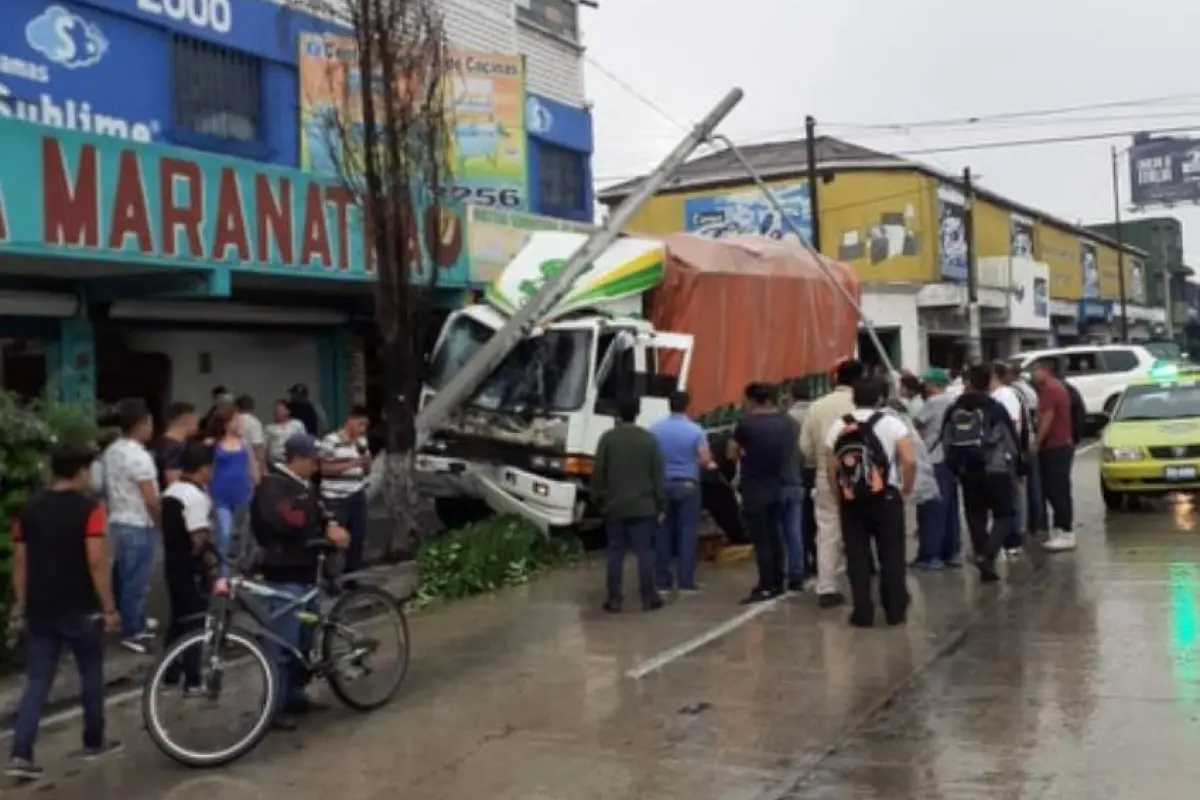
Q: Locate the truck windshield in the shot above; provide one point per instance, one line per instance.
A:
(542, 373)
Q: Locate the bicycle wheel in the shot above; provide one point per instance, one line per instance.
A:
(357, 630)
(238, 663)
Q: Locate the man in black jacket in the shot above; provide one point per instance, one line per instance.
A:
(984, 449)
(290, 524)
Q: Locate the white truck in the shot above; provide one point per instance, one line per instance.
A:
(647, 318)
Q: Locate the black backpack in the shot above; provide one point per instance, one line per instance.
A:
(971, 441)
(861, 462)
(1078, 413)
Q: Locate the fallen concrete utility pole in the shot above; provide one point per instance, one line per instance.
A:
(484, 362)
(787, 220)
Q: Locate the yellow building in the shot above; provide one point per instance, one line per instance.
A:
(901, 223)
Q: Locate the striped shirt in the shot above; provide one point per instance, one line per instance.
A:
(337, 449)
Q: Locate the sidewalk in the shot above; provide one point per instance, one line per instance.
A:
(126, 671)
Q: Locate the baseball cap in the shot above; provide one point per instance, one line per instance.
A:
(300, 445)
(937, 376)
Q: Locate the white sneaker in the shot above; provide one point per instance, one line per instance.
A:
(1060, 542)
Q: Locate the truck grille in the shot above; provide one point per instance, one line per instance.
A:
(1180, 451)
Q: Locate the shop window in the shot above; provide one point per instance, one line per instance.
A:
(217, 91)
(560, 178)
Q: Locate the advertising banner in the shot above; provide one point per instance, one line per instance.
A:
(747, 213)
(1137, 281)
(1089, 269)
(1029, 294)
(487, 97)
(952, 228)
(79, 68)
(1022, 241)
(1164, 171)
(71, 195)
(495, 237)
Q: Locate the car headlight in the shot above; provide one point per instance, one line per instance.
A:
(546, 462)
(1123, 454)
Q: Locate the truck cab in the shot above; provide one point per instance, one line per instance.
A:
(524, 442)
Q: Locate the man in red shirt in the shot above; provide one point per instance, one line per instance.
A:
(63, 595)
(1055, 446)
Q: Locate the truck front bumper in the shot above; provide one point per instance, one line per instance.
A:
(546, 502)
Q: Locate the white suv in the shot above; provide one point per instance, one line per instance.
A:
(1099, 372)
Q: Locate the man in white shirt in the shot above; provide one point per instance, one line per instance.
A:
(345, 463)
(252, 429)
(871, 467)
(134, 516)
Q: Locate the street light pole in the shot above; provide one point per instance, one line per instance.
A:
(1119, 234)
(814, 191)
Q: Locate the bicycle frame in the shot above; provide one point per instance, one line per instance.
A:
(293, 604)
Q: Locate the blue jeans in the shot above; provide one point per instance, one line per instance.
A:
(289, 628)
(678, 536)
(624, 532)
(791, 500)
(938, 530)
(133, 559)
(44, 643)
(351, 514)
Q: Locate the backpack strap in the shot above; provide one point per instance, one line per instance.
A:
(849, 419)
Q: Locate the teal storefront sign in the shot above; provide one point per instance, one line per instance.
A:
(78, 195)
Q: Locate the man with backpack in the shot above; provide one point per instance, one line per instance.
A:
(871, 468)
(983, 448)
(1055, 444)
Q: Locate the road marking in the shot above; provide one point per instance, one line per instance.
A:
(68, 714)
(1086, 447)
(667, 656)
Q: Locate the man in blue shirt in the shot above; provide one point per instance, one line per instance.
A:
(684, 447)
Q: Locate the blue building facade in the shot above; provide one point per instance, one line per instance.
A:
(169, 276)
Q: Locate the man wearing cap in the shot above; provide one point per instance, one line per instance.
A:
(814, 449)
(287, 517)
(938, 532)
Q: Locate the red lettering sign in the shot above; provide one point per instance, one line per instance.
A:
(314, 237)
(129, 216)
(273, 219)
(70, 210)
(231, 220)
(175, 174)
(341, 200)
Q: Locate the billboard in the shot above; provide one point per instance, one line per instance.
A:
(1164, 171)
(952, 230)
(487, 93)
(1089, 270)
(495, 237)
(746, 212)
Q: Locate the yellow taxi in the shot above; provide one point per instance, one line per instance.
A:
(1151, 445)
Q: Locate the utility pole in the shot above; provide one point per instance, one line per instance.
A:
(1119, 234)
(974, 322)
(814, 192)
(485, 361)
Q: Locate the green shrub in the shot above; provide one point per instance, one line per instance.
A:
(487, 555)
(27, 432)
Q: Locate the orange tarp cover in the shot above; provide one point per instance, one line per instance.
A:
(759, 310)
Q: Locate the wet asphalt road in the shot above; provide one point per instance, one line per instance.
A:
(1079, 678)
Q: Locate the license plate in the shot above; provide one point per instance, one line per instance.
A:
(1179, 473)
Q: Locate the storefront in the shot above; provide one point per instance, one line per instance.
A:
(131, 268)
(560, 157)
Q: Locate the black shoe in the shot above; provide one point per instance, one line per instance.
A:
(796, 585)
(301, 706)
(95, 753)
(862, 620)
(284, 722)
(987, 572)
(23, 770)
(653, 604)
(831, 600)
(612, 606)
(759, 596)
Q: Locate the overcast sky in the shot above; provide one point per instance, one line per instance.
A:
(854, 62)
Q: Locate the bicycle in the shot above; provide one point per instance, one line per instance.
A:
(220, 637)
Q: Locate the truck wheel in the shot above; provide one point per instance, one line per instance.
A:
(458, 512)
(1113, 501)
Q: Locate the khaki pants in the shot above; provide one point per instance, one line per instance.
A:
(830, 560)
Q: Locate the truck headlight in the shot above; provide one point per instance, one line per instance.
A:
(546, 462)
(1123, 454)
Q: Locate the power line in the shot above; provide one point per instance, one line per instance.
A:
(1004, 144)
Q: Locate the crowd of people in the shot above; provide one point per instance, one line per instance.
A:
(823, 483)
(197, 496)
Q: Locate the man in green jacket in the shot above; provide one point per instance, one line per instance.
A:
(629, 487)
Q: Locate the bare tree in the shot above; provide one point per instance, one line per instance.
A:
(388, 138)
